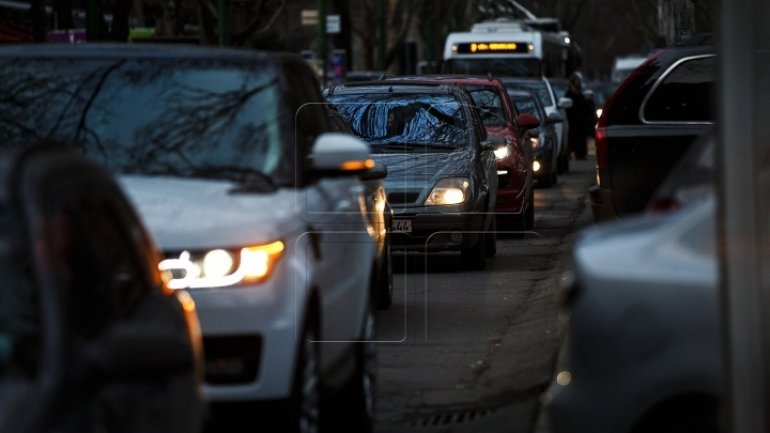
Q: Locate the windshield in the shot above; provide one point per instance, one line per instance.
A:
(143, 117)
(538, 87)
(489, 103)
(502, 67)
(417, 121)
(526, 105)
(560, 87)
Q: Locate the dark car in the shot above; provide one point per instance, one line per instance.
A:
(91, 338)
(255, 201)
(552, 103)
(442, 178)
(543, 139)
(515, 197)
(648, 124)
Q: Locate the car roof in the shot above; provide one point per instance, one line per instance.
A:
(480, 80)
(383, 86)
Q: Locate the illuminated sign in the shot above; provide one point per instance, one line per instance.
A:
(492, 47)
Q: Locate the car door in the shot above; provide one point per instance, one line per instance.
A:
(126, 352)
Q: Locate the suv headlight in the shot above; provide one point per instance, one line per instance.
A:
(453, 190)
(221, 267)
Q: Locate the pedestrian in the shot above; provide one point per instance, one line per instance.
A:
(579, 117)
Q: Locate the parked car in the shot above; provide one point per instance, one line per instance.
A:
(380, 217)
(543, 139)
(648, 124)
(515, 196)
(91, 338)
(442, 178)
(257, 207)
(645, 300)
(644, 350)
(552, 104)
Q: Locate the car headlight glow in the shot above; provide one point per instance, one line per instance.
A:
(502, 152)
(536, 166)
(535, 142)
(448, 191)
(222, 268)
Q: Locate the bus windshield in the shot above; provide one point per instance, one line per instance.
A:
(501, 67)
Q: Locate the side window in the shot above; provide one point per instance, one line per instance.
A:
(685, 94)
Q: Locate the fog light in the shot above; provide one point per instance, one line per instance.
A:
(564, 378)
(456, 237)
(536, 166)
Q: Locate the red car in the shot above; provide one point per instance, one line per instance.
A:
(515, 198)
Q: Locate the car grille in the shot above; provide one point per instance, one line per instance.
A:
(403, 197)
(231, 360)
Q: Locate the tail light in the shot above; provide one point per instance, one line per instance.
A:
(602, 148)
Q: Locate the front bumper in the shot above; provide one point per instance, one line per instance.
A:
(437, 230)
(249, 339)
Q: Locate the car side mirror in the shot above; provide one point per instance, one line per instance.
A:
(554, 118)
(527, 121)
(564, 102)
(379, 171)
(147, 351)
(338, 154)
(493, 142)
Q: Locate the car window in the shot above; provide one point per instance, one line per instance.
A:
(489, 103)
(187, 118)
(684, 94)
(538, 87)
(424, 120)
(527, 105)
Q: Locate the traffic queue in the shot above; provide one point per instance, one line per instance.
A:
(254, 190)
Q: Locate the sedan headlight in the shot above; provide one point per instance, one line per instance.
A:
(221, 267)
(502, 152)
(535, 142)
(453, 190)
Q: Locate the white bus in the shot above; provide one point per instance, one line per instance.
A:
(506, 47)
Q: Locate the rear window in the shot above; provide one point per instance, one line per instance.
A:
(685, 94)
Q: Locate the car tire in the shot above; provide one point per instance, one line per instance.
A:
(563, 164)
(303, 412)
(354, 408)
(529, 215)
(475, 257)
(384, 293)
(490, 247)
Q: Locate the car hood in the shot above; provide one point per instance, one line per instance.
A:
(201, 214)
(417, 171)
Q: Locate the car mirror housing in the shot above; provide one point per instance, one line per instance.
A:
(337, 154)
(379, 171)
(564, 102)
(527, 121)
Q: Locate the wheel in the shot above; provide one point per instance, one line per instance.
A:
(563, 163)
(385, 281)
(353, 411)
(548, 178)
(475, 257)
(529, 215)
(490, 247)
(304, 405)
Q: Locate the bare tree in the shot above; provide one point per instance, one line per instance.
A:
(250, 24)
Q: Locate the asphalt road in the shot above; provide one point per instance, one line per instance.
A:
(466, 351)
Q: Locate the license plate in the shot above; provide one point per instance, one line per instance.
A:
(402, 226)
